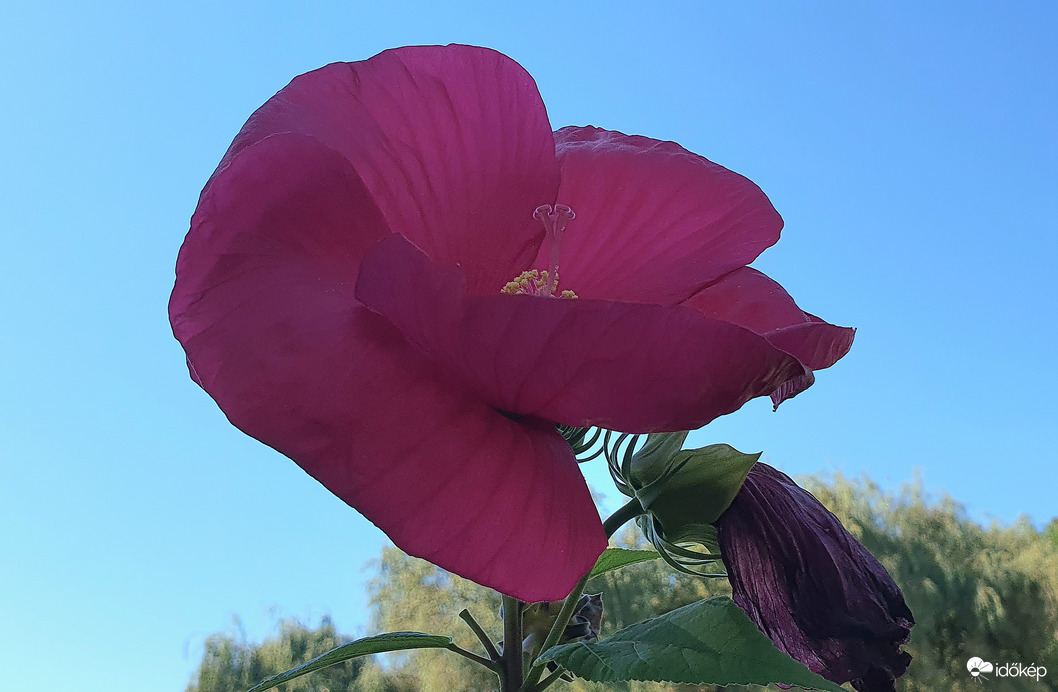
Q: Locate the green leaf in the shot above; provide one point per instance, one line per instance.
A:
(392, 641)
(615, 558)
(708, 642)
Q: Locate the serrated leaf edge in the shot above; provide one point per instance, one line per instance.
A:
(588, 646)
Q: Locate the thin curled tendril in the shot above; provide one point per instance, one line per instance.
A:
(684, 556)
(698, 557)
(618, 449)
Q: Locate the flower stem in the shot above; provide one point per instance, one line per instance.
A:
(626, 513)
(512, 644)
(568, 606)
(630, 510)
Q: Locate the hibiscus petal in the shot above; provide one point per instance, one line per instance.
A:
(623, 366)
(453, 143)
(817, 344)
(265, 309)
(654, 222)
(749, 298)
(817, 593)
(791, 388)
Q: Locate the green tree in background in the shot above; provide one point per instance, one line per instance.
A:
(982, 592)
(230, 663)
(975, 591)
(412, 594)
(1051, 532)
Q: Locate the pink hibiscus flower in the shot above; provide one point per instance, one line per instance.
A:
(344, 294)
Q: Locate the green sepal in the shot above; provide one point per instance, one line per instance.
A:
(710, 642)
(696, 488)
(391, 641)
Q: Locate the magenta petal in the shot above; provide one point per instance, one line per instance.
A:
(654, 222)
(791, 388)
(265, 310)
(817, 344)
(453, 142)
(623, 366)
(749, 298)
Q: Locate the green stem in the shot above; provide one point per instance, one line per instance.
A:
(480, 633)
(491, 665)
(626, 513)
(568, 606)
(629, 511)
(512, 644)
(548, 681)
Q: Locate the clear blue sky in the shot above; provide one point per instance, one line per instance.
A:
(911, 148)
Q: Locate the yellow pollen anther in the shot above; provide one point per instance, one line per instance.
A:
(534, 283)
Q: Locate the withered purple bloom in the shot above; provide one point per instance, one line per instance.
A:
(811, 587)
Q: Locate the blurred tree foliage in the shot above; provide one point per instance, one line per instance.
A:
(231, 663)
(975, 591)
(988, 592)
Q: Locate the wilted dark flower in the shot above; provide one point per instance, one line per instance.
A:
(811, 587)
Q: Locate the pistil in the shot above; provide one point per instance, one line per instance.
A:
(554, 220)
(537, 283)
